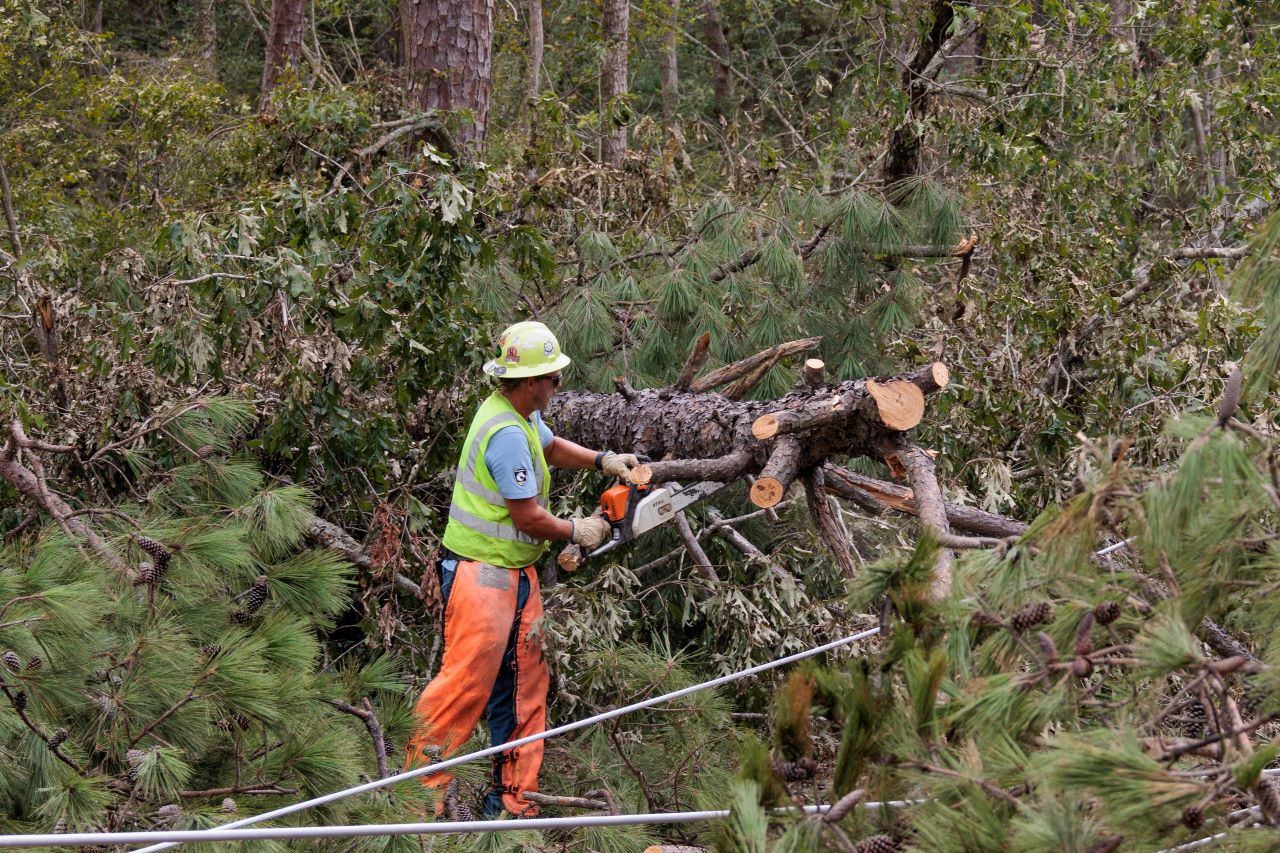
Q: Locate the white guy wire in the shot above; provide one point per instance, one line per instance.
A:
(1110, 548)
(74, 839)
(431, 769)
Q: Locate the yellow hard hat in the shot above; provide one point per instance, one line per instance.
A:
(526, 349)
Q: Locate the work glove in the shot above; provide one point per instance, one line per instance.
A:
(590, 532)
(618, 464)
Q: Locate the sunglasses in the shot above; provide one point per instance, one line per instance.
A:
(554, 380)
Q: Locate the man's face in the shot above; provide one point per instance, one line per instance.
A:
(544, 388)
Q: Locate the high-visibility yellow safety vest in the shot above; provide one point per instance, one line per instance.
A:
(480, 528)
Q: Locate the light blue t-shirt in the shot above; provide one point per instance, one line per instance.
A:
(510, 461)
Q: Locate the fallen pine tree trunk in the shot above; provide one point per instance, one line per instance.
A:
(698, 435)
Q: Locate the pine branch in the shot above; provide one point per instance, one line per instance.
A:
(260, 789)
(56, 749)
(173, 709)
(699, 556)
(930, 507)
(696, 359)
(750, 364)
(565, 802)
(32, 483)
(370, 720)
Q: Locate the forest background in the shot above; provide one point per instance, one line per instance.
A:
(254, 253)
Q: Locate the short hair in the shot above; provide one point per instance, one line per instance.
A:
(507, 383)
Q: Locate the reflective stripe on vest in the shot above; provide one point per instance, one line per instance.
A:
(490, 528)
(467, 472)
(480, 525)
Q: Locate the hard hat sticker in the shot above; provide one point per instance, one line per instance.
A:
(548, 347)
(513, 354)
(500, 370)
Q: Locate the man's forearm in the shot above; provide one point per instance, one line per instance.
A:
(563, 453)
(544, 525)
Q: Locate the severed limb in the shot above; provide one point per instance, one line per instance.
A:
(931, 509)
(721, 527)
(699, 556)
(566, 802)
(778, 473)
(827, 522)
(697, 358)
(751, 364)
(721, 469)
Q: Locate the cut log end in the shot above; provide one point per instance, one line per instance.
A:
(571, 559)
(899, 404)
(940, 374)
(814, 370)
(765, 427)
(642, 474)
(767, 492)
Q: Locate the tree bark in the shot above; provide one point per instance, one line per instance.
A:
(613, 81)
(284, 45)
(207, 28)
(721, 75)
(903, 160)
(450, 60)
(537, 46)
(702, 431)
(670, 66)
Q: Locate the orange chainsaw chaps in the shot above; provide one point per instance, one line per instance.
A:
(477, 627)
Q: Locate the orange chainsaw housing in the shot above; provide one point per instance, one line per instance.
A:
(613, 501)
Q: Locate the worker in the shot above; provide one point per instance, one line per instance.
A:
(498, 528)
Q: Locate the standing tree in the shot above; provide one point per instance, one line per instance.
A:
(207, 33)
(449, 55)
(284, 45)
(613, 82)
(713, 30)
(537, 46)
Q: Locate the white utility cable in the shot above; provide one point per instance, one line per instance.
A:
(73, 839)
(503, 747)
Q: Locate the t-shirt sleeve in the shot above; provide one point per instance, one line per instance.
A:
(511, 464)
(544, 431)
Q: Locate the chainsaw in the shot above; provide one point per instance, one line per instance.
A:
(632, 510)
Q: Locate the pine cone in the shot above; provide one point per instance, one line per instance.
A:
(454, 806)
(1107, 612)
(242, 721)
(228, 806)
(133, 758)
(1030, 616)
(877, 844)
(795, 771)
(226, 724)
(20, 701)
(240, 617)
(59, 737)
(1081, 667)
(388, 748)
(60, 826)
(160, 554)
(211, 650)
(1268, 793)
(106, 704)
(1192, 817)
(12, 661)
(35, 663)
(146, 573)
(257, 595)
(985, 619)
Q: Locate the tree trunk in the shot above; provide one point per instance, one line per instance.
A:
(706, 436)
(537, 46)
(207, 28)
(284, 45)
(450, 60)
(903, 160)
(670, 68)
(613, 81)
(721, 76)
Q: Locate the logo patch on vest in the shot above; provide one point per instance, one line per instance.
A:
(521, 475)
(493, 577)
